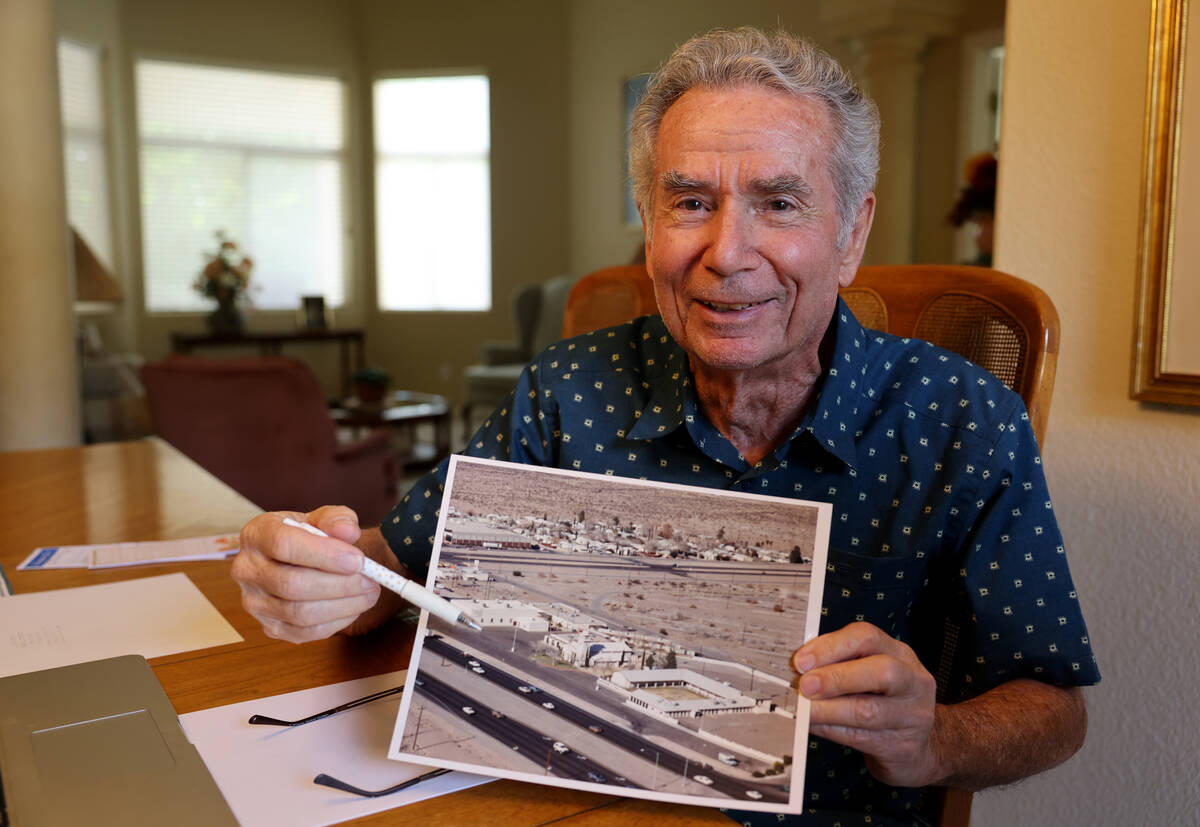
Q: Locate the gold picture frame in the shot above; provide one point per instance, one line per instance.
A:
(1166, 351)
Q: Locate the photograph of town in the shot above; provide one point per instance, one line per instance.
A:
(636, 636)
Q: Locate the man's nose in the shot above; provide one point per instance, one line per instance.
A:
(731, 242)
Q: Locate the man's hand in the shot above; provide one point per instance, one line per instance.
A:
(870, 692)
(302, 587)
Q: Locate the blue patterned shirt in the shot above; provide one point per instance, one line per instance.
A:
(943, 532)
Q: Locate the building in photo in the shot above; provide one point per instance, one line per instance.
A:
(504, 613)
(680, 693)
(583, 650)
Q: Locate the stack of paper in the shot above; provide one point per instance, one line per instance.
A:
(110, 555)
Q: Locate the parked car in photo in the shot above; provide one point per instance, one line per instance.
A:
(755, 794)
(468, 710)
(595, 729)
(560, 747)
(703, 779)
(595, 776)
(548, 704)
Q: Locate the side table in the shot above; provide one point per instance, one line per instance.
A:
(403, 411)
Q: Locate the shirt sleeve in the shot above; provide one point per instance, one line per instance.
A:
(1025, 615)
(522, 429)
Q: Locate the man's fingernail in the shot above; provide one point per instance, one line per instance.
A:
(368, 584)
(805, 662)
(810, 685)
(350, 563)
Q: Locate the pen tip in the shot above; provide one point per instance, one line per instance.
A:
(470, 624)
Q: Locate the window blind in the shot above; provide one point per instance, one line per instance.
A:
(258, 155)
(85, 146)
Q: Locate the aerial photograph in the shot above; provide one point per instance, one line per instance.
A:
(636, 636)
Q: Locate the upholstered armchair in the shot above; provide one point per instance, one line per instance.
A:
(537, 311)
(261, 426)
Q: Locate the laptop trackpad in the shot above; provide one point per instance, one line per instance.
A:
(118, 749)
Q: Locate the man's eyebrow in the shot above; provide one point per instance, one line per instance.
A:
(675, 181)
(790, 184)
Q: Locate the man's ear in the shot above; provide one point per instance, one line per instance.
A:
(857, 243)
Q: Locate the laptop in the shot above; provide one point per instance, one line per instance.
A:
(100, 744)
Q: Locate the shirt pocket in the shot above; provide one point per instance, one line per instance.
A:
(877, 590)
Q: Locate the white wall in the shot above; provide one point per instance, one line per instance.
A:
(1125, 476)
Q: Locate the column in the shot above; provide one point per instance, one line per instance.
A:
(887, 38)
(39, 371)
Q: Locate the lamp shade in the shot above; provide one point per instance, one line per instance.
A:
(93, 281)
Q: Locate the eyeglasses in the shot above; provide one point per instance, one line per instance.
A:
(329, 781)
(326, 780)
(269, 721)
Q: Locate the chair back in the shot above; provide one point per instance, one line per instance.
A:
(608, 297)
(261, 426)
(1000, 322)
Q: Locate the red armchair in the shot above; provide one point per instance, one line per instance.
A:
(262, 427)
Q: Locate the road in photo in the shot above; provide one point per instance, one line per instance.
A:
(634, 635)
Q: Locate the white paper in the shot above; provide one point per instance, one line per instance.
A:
(150, 616)
(111, 555)
(266, 773)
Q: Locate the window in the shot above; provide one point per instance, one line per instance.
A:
(433, 193)
(257, 154)
(85, 146)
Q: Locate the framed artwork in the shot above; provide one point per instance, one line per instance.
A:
(1166, 352)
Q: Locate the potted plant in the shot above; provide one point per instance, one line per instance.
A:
(370, 384)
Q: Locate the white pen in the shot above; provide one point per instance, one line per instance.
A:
(414, 593)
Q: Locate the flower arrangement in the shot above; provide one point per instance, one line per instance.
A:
(226, 275)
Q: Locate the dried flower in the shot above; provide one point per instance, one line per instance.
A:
(226, 274)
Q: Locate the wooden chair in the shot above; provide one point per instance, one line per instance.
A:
(261, 425)
(608, 297)
(1000, 322)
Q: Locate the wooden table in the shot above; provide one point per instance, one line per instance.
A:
(147, 490)
(403, 411)
(350, 342)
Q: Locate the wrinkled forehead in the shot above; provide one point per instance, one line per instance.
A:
(745, 121)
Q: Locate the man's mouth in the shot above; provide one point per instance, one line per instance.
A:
(722, 307)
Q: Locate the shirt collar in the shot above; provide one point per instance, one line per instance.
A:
(666, 380)
(835, 418)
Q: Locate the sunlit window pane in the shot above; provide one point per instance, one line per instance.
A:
(85, 146)
(255, 154)
(433, 193)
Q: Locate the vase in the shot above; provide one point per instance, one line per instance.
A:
(226, 320)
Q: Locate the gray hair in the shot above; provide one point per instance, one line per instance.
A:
(781, 62)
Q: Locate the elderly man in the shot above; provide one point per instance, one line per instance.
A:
(754, 160)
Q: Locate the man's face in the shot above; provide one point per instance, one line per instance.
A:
(742, 229)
